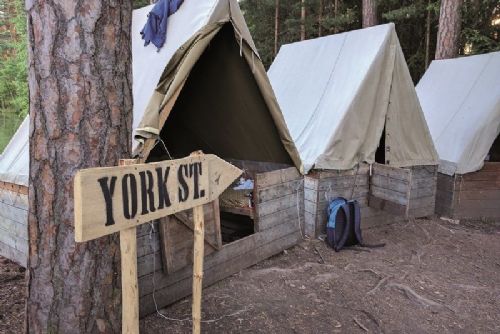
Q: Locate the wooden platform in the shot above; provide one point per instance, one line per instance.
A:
(473, 195)
(278, 215)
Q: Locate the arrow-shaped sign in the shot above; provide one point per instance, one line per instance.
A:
(112, 199)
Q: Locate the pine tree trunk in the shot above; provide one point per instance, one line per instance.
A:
(369, 13)
(276, 26)
(427, 35)
(80, 116)
(335, 12)
(320, 18)
(303, 20)
(449, 29)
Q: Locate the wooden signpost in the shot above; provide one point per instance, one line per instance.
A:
(117, 199)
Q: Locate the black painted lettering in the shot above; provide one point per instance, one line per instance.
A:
(162, 188)
(129, 185)
(107, 192)
(183, 186)
(147, 194)
(196, 174)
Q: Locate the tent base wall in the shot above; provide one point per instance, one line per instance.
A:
(388, 193)
(408, 192)
(278, 214)
(473, 195)
(14, 224)
(321, 186)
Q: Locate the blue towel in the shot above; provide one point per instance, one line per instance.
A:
(155, 29)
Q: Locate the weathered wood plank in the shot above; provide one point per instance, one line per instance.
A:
(279, 204)
(14, 228)
(424, 182)
(422, 202)
(377, 203)
(13, 213)
(182, 288)
(363, 169)
(425, 172)
(14, 199)
(477, 185)
(311, 182)
(491, 166)
(485, 195)
(229, 251)
(13, 254)
(392, 172)
(385, 182)
(482, 176)
(288, 216)
(347, 182)
(279, 190)
(13, 241)
(423, 192)
(264, 180)
(389, 195)
(422, 212)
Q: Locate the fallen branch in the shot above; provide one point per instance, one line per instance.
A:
(319, 253)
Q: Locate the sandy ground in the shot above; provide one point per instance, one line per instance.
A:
(432, 276)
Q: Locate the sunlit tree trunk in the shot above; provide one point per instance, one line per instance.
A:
(80, 116)
(303, 20)
(276, 26)
(369, 12)
(449, 29)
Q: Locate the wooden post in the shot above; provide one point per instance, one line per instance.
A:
(130, 291)
(198, 250)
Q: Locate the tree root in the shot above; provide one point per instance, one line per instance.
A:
(412, 295)
(379, 284)
(363, 327)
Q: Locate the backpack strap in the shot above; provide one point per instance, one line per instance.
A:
(345, 233)
(357, 225)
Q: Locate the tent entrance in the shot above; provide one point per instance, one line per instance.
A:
(221, 110)
(494, 153)
(380, 152)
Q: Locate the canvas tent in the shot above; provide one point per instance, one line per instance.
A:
(207, 89)
(344, 97)
(14, 170)
(461, 102)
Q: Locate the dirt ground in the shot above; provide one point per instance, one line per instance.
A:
(432, 276)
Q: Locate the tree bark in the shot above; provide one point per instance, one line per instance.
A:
(320, 18)
(276, 26)
(303, 20)
(80, 116)
(449, 29)
(427, 35)
(335, 13)
(369, 12)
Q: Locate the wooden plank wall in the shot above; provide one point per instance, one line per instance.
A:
(277, 228)
(407, 192)
(14, 226)
(472, 195)
(320, 186)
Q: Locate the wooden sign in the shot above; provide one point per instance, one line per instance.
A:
(111, 199)
(117, 199)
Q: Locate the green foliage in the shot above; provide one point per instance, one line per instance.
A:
(14, 98)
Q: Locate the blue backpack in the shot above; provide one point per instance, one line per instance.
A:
(344, 223)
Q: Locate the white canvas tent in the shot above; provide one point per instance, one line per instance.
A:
(338, 92)
(461, 102)
(14, 160)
